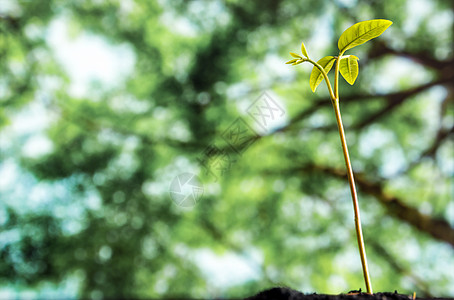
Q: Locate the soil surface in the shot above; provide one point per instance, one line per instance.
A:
(282, 293)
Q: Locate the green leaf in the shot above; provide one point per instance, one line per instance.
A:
(298, 62)
(316, 76)
(303, 50)
(292, 61)
(295, 55)
(362, 32)
(349, 69)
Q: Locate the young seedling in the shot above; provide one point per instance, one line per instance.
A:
(347, 65)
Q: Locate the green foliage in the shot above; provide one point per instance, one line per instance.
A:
(361, 32)
(304, 51)
(349, 69)
(295, 55)
(85, 210)
(326, 63)
(355, 35)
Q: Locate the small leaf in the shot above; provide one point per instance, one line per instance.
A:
(303, 50)
(292, 61)
(299, 61)
(362, 32)
(317, 76)
(295, 55)
(348, 67)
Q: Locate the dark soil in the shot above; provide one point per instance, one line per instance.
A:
(282, 293)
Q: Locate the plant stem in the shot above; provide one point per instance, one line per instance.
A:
(351, 180)
(334, 95)
(336, 77)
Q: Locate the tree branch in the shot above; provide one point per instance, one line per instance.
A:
(381, 49)
(396, 207)
(393, 99)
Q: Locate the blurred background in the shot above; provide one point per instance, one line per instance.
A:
(157, 149)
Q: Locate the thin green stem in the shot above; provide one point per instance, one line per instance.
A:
(336, 77)
(351, 180)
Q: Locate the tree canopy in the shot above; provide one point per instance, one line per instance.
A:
(90, 162)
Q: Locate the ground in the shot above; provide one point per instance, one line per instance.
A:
(282, 293)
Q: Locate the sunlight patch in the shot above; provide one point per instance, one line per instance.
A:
(88, 58)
